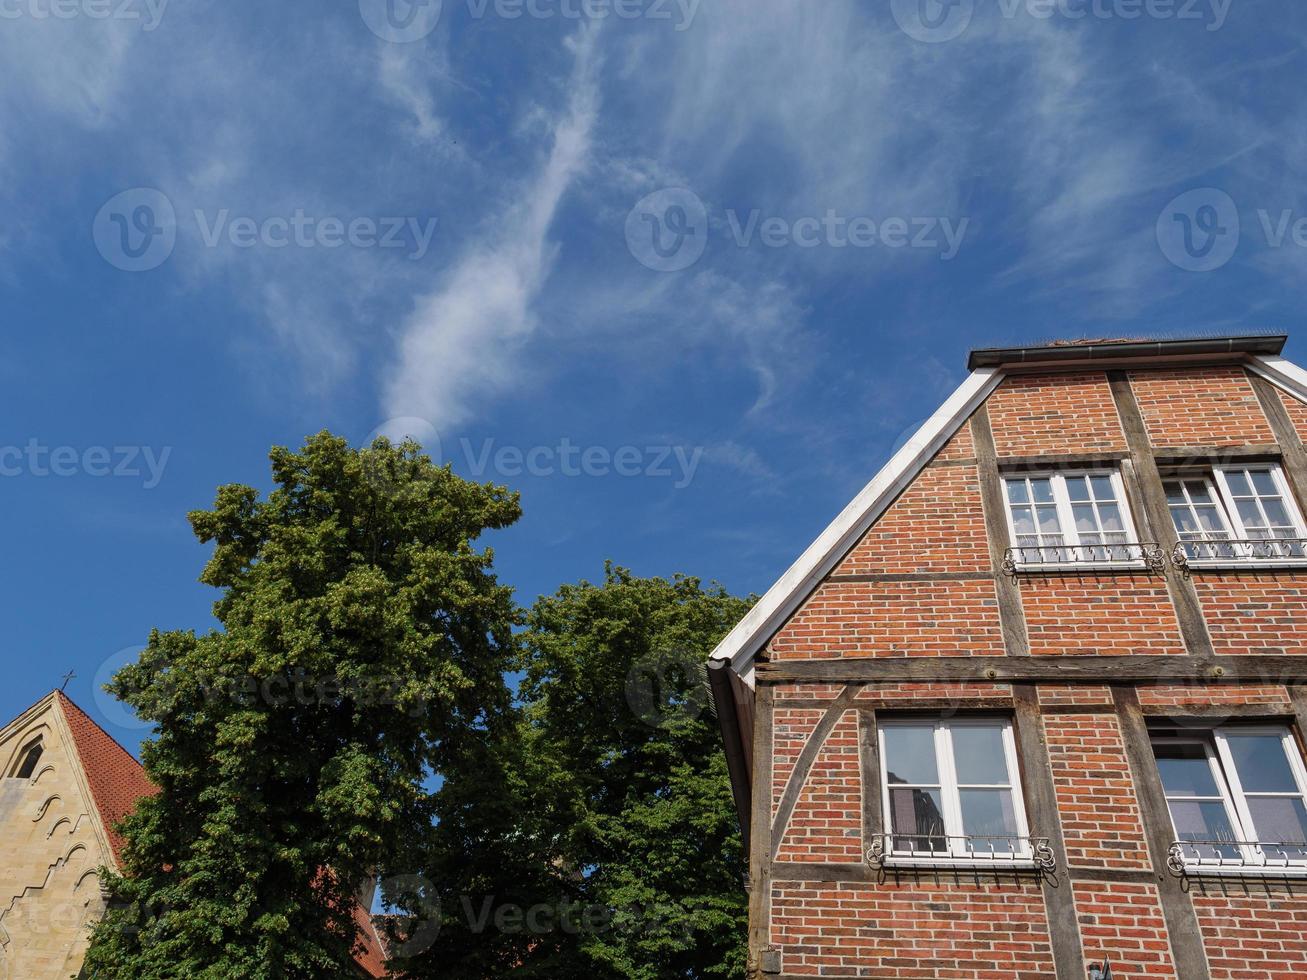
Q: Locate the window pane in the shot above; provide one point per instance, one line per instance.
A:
(1276, 513)
(1077, 488)
(1048, 520)
(1198, 492)
(1184, 521)
(1210, 519)
(1238, 483)
(1199, 820)
(1043, 490)
(1016, 492)
(1174, 494)
(1185, 770)
(910, 754)
(1261, 764)
(1023, 520)
(1249, 514)
(1102, 488)
(979, 755)
(917, 814)
(1279, 819)
(1263, 483)
(1111, 517)
(1085, 519)
(988, 813)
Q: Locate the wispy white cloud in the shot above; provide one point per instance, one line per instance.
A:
(463, 341)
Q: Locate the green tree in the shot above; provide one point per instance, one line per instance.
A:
(618, 722)
(363, 647)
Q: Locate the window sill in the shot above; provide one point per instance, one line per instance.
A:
(960, 864)
(1242, 564)
(1244, 871)
(1082, 567)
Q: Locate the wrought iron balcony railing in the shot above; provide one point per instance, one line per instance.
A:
(1188, 857)
(1221, 550)
(1031, 558)
(944, 851)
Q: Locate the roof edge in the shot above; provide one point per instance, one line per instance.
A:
(1258, 344)
(791, 589)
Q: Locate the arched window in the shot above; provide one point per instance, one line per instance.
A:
(27, 760)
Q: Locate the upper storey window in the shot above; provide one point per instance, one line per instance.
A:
(1236, 513)
(28, 759)
(1070, 518)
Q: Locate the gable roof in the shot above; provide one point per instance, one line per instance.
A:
(115, 779)
(989, 367)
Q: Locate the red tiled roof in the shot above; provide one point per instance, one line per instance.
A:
(115, 778)
(117, 781)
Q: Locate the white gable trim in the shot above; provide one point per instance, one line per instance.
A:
(1282, 373)
(793, 588)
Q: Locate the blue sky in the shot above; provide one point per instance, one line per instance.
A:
(230, 224)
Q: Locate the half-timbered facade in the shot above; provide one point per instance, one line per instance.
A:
(1035, 703)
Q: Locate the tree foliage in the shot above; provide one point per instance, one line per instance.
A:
(363, 647)
(618, 829)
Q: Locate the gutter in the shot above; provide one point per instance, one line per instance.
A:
(1265, 344)
(728, 719)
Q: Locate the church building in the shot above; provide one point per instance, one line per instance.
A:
(65, 785)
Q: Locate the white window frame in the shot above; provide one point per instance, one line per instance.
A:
(1226, 775)
(1217, 481)
(1066, 518)
(956, 853)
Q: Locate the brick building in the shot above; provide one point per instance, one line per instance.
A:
(1033, 703)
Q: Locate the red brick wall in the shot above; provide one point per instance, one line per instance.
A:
(905, 694)
(1297, 413)
(995, 929)
(1255, 614)
(1213, 406)
(827, 823)
(1199, 695)
(960, 446)
(1074, 694)
(937, 525)
(791, 728)
(1124, 924)
(1053, 414)
(1095, 794)
(1251, 935)
(894, 619)
(1083, 615)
